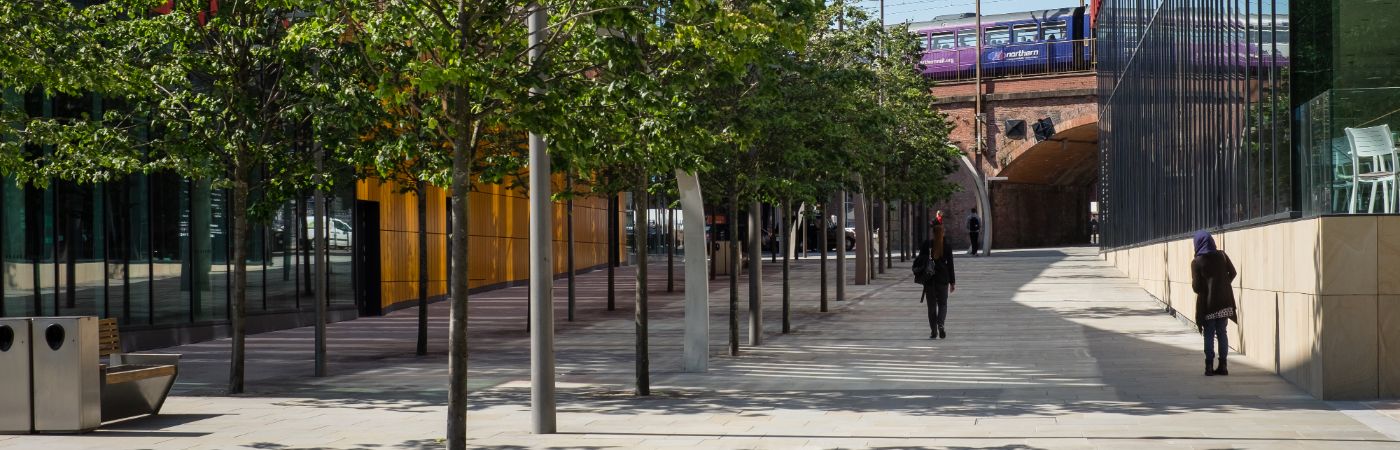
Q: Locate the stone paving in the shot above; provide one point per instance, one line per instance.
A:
(1047, 348)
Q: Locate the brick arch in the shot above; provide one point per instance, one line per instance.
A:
(1067, 158)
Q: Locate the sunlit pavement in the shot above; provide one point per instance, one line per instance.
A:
(1048, 348)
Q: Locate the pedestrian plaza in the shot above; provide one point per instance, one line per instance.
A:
(1046, 349)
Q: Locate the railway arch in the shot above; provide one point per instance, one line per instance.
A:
(1042, 135)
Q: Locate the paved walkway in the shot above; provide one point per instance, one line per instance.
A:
(1046, 349)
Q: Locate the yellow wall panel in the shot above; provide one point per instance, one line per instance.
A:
(499, 243)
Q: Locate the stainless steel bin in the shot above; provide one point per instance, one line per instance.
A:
(16, 389)
(67, 381)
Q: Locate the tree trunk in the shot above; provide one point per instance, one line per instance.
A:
(422, 268)
(822, 241)
(303, 247)
(457, 343)
(883, 220)
(670, 248)
(862, 241)
(569, 231)
(640, 314)
(733, 272)
(787, 257)
(322, 242)
(841, 246)
(613, 230)
(755, 274)
(710, 247)
(240, 279)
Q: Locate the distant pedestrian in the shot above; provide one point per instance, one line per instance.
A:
(939, 279)
(1093, 230)
(1211, 274)
(974, 232)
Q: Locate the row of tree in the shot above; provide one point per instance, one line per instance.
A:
(768, 101)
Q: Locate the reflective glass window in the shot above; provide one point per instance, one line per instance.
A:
(943, 41)
(998, 36)
(1026, 33)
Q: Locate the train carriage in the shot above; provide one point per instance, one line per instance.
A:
(1032, 41)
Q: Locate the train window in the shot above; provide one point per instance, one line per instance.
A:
(1026, 33)
(967, 38)
(998, 36)
(1055, 31)
(943, 41)
(923, 41)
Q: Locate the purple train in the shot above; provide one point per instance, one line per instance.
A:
(1025, 42)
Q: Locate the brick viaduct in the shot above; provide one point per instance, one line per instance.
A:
(1050, 183)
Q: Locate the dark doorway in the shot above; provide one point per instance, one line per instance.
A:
(367, 258)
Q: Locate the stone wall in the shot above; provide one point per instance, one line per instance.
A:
(1319, 299)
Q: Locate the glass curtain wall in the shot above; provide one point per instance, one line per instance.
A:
(1195, 121)
(1348, 106)
(154, 250)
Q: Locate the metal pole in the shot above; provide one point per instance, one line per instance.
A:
(977, 98)
(542, 256)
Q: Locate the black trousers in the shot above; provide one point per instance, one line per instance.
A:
(937, 296)
(976, 242)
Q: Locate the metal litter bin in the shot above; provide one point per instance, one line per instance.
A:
(67, 382)
(16, 394)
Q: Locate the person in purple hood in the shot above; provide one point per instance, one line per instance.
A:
(1211, 274)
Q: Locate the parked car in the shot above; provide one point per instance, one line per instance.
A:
(339, 232)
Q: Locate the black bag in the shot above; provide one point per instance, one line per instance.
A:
(922, 274)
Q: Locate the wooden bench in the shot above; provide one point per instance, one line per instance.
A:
(133, 384)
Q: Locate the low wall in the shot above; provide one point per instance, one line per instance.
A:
(1319, 299)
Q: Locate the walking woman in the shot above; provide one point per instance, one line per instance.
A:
(1211, 274)
(937, 257)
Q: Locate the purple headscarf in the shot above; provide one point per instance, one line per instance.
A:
(1203, 242)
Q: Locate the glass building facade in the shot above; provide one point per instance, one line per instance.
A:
(1225, 113)
(153, 250)
(1196, 128)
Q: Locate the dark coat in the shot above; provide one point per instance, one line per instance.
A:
(1211, 274)
(943, 272)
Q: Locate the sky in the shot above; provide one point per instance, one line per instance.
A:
(897, 11)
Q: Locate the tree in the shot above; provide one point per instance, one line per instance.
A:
(646, 115)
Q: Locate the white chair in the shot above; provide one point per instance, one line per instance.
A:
(1378, 148)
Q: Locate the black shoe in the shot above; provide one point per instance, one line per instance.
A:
(1220, 369)
(942, 334)
(933, 335)
(1210, 371)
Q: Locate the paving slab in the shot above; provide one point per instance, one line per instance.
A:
(1046, 348)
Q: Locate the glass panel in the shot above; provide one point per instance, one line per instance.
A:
(172, 280)
(20, 270)
(922, 41)
(342, 202)
(282, 265)
(1055, 31)
(1350, 132)
(943, 40)
(1026, 33)
(139, 292)
(967, 38)
(998, 36)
